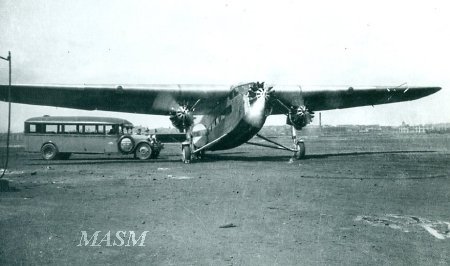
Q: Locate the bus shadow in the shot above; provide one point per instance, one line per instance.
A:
(90, 161)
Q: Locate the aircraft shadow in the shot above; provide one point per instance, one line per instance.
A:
(318, 156)
(230, 156)
(226, 157)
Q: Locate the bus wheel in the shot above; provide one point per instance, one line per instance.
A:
(143, 151)
(64, 155)
(49, 151)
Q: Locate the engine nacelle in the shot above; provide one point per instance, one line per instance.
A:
(182, 118)
(299, 117)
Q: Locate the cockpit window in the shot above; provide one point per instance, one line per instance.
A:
(233, 94)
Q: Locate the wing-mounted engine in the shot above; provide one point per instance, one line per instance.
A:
(299, 117)
(182, 118)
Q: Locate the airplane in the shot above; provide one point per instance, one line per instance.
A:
(216, 117)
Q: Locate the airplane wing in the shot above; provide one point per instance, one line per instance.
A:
(327, 98)
(161, 99)
(144, 99)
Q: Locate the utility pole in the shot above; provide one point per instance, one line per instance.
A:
(9, 114)
(320, 120)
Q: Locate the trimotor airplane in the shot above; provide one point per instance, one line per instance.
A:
(216, 117)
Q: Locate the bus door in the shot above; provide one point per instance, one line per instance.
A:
(111, 137)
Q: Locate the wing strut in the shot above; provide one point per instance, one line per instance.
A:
(209, 144)
(278, 145)
(298, 147)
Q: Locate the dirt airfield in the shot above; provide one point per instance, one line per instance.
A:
(363, 199)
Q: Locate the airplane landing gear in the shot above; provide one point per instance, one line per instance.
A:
(301, 150)
(186, 149)
(298, 149)
(186, 153)
(299, 145)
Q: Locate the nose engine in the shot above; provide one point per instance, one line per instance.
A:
(257, 111)
(182, 118)
(258, 90)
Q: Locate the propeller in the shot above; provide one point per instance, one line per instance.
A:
(257, 90)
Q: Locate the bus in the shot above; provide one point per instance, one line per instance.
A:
(58, 137)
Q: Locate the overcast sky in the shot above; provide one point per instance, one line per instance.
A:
(227, 42)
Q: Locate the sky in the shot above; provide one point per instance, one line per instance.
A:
(228, 42)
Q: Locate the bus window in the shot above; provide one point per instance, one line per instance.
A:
(112, 129)
(100, 129)
(32, 128)
(70, 129)
(51, 129)
(89, 129)
(108, 129)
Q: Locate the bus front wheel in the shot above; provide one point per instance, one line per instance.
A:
(143, 151)
(49, 151)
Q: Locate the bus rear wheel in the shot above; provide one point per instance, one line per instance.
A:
(143, 151)
(49, 151)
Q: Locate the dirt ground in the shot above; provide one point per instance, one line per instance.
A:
(362, 199)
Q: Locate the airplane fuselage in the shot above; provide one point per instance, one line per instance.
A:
(233, 123)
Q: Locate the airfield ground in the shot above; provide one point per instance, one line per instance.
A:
(362, 199)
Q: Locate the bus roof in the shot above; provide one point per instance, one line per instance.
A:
(79, 120)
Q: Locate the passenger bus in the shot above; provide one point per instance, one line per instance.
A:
(57, 137)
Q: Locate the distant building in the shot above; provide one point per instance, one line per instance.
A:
(405, 128)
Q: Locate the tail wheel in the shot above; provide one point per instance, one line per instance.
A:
(143, 151)
(186, 154)
(301, 150)
(49, 151)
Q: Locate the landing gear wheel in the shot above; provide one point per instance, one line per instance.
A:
(301, 150)
(143, 151)
(186, 154)
(49, 151)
